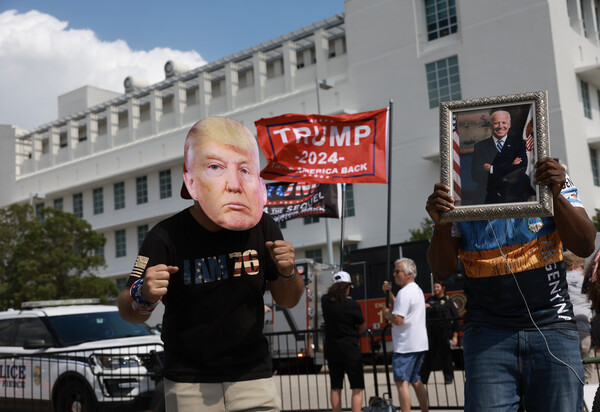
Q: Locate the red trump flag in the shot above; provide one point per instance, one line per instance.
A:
(348, 148)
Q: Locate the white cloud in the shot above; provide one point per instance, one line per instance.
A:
(42, 58)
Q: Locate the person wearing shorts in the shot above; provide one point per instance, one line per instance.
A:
(409, 333)
(344, 322)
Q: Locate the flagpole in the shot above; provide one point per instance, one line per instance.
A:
(328, 241)
(389, 196)
(343, 216)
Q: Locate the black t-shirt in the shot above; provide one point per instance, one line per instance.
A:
(341, 335)
(214, 309)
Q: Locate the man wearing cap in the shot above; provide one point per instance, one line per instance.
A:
(344, 323)
(210, 264)
(409, 333)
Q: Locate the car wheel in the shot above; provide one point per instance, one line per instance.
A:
(74, 396)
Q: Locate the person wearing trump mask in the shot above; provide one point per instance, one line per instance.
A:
(210, 265)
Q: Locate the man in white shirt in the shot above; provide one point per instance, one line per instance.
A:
(409, 333)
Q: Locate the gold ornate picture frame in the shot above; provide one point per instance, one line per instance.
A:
(489, 181)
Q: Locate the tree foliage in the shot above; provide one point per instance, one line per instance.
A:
(596, 219)
(424, 232)
(49, 256)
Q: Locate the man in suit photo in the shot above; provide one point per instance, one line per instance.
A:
(499, 164)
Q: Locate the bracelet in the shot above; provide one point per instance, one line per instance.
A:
(290, 277)
(139, 305)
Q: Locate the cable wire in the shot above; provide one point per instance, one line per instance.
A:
(529, 311)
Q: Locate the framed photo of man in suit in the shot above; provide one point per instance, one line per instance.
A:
(488, 149)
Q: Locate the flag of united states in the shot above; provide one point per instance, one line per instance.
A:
(456, 161)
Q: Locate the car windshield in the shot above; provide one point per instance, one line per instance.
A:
(84, 327)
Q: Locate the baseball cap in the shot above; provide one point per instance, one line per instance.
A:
(341, 277)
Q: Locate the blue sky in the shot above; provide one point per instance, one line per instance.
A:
(67, 44)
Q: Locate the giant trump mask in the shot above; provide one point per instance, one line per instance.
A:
(221, 172)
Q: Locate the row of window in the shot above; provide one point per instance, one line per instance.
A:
(443, 79)
(141, 190)
(585, 15)
(121, 241)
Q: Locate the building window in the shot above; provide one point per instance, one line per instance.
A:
(585, 96)
(99, 251)
(594, 160)
(165, 183)
(119, 195)
(315, 254)
(78, 205)
(142, 232)
(349, 204)
(58, 203)
(121, 283)
(582, 6)
(141, 189)
(63, 140)
(38, 211)
(82, 135)
(123, 120)
(275, 68)
(120, 243)
(45, 146)
(597, 19)
(443, 81)
(441, 18)
(98, 201)
(311, 219)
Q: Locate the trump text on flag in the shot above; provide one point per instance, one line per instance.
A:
(325, 149)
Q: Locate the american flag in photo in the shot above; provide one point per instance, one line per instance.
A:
(595, 270)
(528, 137)
(456, 160)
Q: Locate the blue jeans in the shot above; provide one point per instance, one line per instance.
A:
(503, 365)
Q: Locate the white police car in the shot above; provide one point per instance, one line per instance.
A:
(75, 358)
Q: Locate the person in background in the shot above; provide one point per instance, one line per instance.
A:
(409, 333)
(581, 307)
(210, 264)
(442, 330)
(344, 323)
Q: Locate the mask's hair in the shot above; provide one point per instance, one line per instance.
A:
(219, 129)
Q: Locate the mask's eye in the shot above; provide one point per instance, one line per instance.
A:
(215, 168)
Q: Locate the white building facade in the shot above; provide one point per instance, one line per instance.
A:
(115, 159)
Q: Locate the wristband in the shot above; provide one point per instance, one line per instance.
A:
(138, 303)
(290, 277)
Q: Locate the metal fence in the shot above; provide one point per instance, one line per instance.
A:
(125, 378)
(302, 375)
